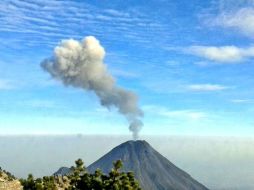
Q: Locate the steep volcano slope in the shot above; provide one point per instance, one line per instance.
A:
(152, 170)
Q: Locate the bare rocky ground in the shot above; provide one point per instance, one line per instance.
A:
(9, 184)
(13, 184)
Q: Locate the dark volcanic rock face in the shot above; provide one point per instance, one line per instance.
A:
(62, 171)
(152, 170)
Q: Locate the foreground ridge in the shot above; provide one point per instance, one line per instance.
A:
(8, 181)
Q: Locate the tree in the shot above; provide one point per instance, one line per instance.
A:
(46, 183)
(80, 179)
(115, 180)
(28, 183)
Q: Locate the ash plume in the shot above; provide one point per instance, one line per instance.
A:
(80, 64)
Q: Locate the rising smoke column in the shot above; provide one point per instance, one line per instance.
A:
(80, 64)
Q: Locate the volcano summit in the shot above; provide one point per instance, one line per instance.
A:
(151, 169)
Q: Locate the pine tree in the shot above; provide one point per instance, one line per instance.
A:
(80, 179)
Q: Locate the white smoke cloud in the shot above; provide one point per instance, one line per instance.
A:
(80, 64)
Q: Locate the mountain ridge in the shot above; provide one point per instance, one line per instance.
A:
(151, 169)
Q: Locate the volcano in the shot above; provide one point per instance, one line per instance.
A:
(151, 169)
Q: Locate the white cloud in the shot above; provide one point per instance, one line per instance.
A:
(241, 101)
(242, 20)
(39, 103)
(6, 85)
(206, 87)
(124, 74)
(46, 24)
(226, 54)
(116, 13)
(187, 114)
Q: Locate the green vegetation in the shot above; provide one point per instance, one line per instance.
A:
(80, 179)
(46, 183)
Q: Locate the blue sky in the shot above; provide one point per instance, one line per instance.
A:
(189, 62)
